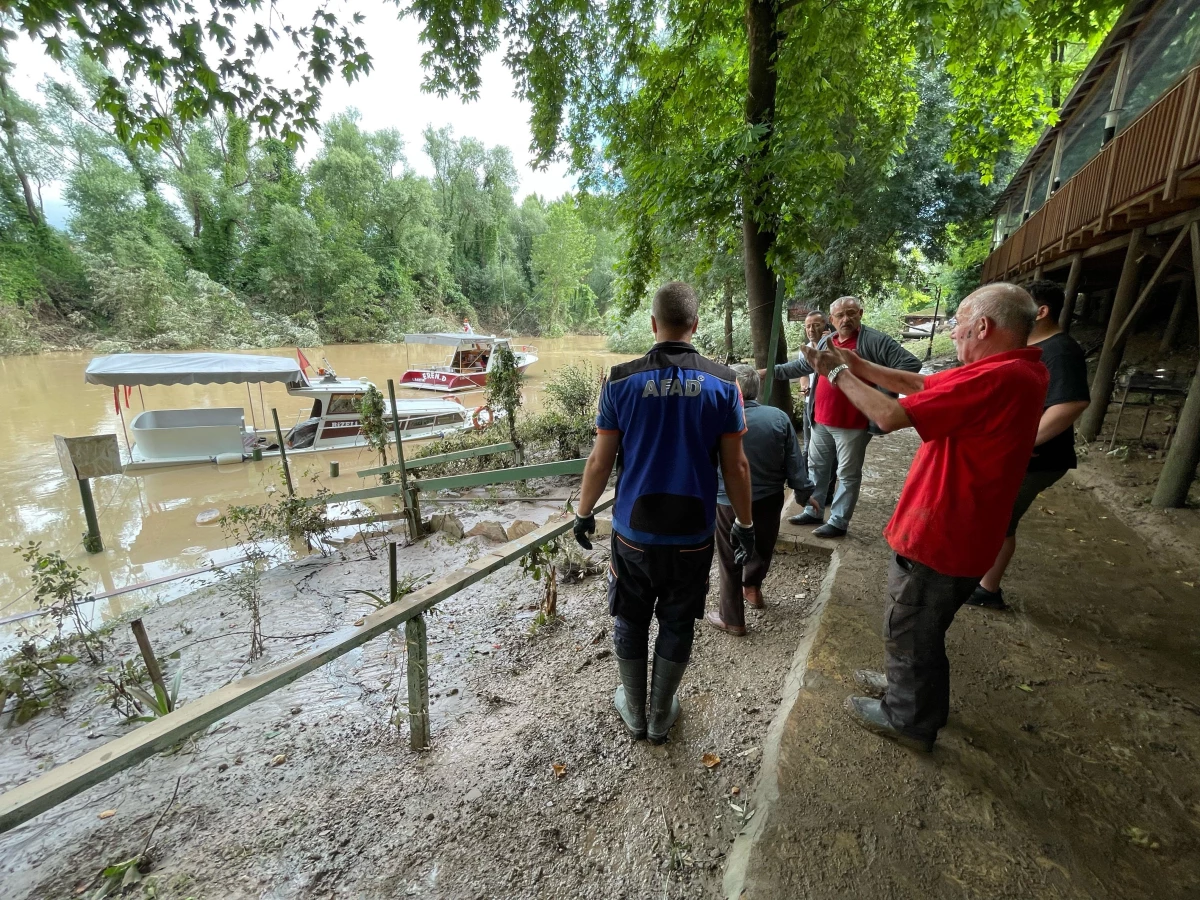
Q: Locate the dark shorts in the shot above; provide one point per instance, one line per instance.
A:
(1034, 484)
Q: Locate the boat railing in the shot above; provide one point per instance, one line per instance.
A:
(526, 348)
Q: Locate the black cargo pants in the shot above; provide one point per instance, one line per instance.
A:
(657, 580)
(921, 605)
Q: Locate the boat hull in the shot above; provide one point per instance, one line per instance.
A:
(448, 382)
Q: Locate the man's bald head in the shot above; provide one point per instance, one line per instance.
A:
(995, 318)
(1008, 306)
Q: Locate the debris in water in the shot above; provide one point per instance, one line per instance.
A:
(710, 760)
(208, 516)
(1026, 688)
(559, 769)
(279, 759)
(107, 814)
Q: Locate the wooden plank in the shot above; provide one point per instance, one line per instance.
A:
(439, 458)
(499, 476)
(63, 782)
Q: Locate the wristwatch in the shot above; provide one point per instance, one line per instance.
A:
(836, 371)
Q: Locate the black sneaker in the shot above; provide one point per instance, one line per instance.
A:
(867, 713)
(981, 596)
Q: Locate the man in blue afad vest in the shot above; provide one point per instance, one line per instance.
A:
(667, 419)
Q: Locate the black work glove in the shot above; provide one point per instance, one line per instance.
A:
(742, 538)
(584, 525)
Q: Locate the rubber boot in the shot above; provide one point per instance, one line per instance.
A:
(630, 699)
(664, 705)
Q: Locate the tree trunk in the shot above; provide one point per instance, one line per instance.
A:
(728, 318)
(758, 237)
(10, 150)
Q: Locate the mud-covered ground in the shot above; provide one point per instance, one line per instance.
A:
(313, 792)
(1068, 767)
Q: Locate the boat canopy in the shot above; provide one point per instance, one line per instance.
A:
(191, 368)
(451, 339)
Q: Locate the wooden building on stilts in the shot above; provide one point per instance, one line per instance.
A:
(1108, 204)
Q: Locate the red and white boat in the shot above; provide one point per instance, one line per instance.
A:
(471, 360)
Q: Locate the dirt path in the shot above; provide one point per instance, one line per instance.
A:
(312, 793)
(1069, 767)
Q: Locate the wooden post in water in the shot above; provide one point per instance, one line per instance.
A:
(92, 542)
(415, 639)
(414, 513)
(143, 642)
(287, 473)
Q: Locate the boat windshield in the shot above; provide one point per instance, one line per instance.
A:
(471, 359)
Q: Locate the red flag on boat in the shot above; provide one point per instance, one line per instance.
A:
(128, 394)
(305, 365)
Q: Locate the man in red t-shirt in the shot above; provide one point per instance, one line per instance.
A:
(977, 425)
(837, 433)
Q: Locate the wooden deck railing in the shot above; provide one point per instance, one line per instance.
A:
(1142, 162)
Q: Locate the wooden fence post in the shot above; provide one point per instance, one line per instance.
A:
(414, 513)
(92, 542)
(1110, 357)
(416, 642)
(143, 642)
(287, 473)
(393, 581)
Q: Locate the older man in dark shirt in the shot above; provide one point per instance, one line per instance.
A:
(775, 459)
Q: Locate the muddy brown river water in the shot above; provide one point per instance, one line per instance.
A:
(148, 521)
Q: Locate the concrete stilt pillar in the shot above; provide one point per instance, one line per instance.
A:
(1110, 356)
(1070, 292)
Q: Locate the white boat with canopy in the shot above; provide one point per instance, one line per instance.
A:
(169, 437)
(472, 360)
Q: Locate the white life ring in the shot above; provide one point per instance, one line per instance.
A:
(482, 417)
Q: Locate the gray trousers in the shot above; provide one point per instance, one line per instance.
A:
(842, 450)
(921, 605)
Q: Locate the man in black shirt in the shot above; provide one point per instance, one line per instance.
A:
(1054, 451)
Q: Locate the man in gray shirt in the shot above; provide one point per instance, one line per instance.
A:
(838, 432)
(775, 459)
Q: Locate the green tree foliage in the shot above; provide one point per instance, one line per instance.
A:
(562, 260)
(204, 61)
(218, 238)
